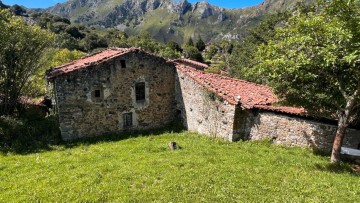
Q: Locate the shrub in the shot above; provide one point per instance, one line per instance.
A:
(23, 135)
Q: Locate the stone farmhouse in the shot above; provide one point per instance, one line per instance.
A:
(118, 90)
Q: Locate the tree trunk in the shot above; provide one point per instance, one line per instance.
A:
(338, 141)
(343, 122)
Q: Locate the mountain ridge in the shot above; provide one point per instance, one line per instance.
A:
(169, 20)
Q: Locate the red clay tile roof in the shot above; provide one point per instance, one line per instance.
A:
(192, 63)
(238, 92)
(283, 109)
(25, 100)
(232, 90)
(31, 101)
(87, 61)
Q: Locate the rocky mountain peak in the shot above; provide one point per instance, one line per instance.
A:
(204, 9)
(182, 6)
(169, 19)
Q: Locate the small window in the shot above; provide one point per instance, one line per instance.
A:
(127, 119)
(123, 63)
(140, 91)
(97, 94)
(178, 114)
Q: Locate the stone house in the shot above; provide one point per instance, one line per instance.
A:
(129, 89)
(113, 91)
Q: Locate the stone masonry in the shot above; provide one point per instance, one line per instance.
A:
(202, 110)
(119, 90)
(233, 109)
(82, 114)
(297, 131)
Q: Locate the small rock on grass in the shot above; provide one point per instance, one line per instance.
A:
(173, 146)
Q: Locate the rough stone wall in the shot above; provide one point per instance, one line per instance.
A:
(297, 131)
(82, 114)
(202, 111)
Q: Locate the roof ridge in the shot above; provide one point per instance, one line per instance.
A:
(55, 71)
(93, 59)
(192, 62)
(284, 109)
(229, 78)
(84, 57)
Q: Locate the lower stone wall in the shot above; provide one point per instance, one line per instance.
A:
(202, 111)
(297, 131)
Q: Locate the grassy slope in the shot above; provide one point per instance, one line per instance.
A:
(100, 11)
(143, 169)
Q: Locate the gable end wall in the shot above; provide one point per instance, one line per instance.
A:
(202, 111)
(82, 115)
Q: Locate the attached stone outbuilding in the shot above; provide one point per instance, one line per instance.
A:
(128, 89)
(235, 109)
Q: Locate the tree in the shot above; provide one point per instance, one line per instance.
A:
(117, 38)
(171, 50)
(314, 62)
(66, 41)
(174, 46)
(145, 42)
(74, 31)
(243, 55)
(200, 44)
(193, 53)
(94, 41)
(58, 27)
(211, 51)
(190, 42)
(21, 48)
(52, 58)
(169, 53)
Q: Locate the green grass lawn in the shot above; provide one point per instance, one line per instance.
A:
(143, 169)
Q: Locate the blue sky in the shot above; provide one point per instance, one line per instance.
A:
(47, 3)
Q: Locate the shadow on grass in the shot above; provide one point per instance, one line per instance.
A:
(171, 128)
(22, 135)
(337, 168)
(320, 152)
(23, 148)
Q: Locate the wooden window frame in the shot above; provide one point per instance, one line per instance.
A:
(140, 92)
(128, 120)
